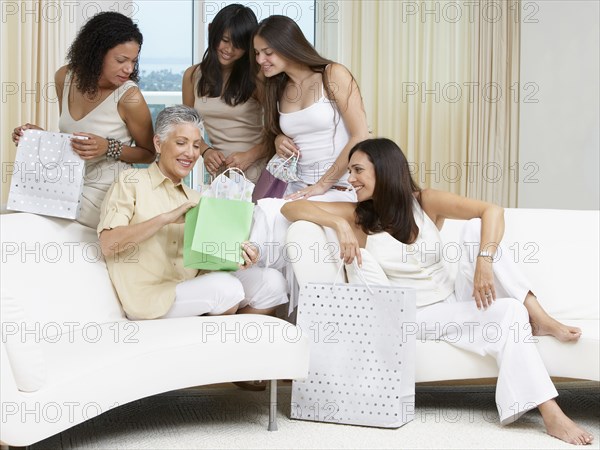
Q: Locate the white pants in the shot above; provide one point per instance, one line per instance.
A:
(216, 292)
(502, 330)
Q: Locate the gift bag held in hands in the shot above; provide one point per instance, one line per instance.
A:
(362, 355)
(219, 224)
(47, 175)
(284, 169)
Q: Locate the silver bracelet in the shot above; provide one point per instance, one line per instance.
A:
(115, 148)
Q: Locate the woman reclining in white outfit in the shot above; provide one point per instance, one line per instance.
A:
(399, 225)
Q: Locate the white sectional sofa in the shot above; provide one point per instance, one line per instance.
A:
(68, 353)
(559, 252)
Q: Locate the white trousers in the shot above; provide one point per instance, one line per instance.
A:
(216, 292)
(502, 330)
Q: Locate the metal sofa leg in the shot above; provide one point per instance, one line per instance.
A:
(273, 406)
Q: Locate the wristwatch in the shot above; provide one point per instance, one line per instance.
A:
(485, 254)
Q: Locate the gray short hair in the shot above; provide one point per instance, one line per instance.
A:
(175, 115)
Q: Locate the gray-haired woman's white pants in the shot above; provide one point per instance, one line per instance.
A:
(502, 330)
(216, 292)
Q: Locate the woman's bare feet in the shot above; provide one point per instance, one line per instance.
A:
(561, 427)
(544, 325)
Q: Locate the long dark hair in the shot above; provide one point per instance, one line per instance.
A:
(101, 33)
(240, 22)
(391, 207)
(285, 37)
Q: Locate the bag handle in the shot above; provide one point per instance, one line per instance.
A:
(61, 151)
(291, 157)
(358, 271)
(223, 173)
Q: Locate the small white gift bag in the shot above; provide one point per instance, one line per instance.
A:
(362, 355)
(47, 175)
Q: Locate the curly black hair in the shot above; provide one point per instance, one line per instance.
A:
(101, 33)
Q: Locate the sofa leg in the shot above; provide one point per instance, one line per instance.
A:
(273, 406)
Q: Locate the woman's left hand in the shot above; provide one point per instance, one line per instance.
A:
(90, 148)
(484, 290)
(309, 191)
(250, 255)
(240, 160)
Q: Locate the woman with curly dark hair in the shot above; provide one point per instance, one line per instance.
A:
(100, 100)
(223, 90)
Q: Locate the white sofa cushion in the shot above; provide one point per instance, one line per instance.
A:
(45, 257)
(558, 251)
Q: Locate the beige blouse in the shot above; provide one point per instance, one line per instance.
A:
(145, 275)
(100, 173)
(232, 129)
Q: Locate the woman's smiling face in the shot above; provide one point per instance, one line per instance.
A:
(362, 175)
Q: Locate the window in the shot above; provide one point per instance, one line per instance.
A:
(167, 50)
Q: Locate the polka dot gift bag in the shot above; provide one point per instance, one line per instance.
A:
(47, 175)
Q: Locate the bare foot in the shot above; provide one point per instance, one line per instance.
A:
(544, 325)
(552, 327)
(561, 427)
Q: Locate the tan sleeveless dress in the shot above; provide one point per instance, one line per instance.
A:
(232, 129)
(100, 173)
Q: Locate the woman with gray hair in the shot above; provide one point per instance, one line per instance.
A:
(141, 236)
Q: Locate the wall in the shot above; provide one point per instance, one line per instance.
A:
(559, 116)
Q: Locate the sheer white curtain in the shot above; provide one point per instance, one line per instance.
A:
(438, 78)
(35, 38)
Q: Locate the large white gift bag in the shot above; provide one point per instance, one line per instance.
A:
(362, 355)
(47, 175)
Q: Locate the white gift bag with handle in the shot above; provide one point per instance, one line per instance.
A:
(47, 175)
(362, 354)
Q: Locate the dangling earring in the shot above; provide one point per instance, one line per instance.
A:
(157, 157)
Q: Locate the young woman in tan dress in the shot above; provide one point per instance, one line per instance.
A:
(223, 90)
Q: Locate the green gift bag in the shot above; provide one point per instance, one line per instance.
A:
(214, 231)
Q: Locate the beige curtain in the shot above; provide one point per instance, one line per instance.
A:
(494, 115)
(35, 38)
(439, 78)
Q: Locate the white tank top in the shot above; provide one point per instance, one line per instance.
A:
(419, 265)
(104, 120)
(320, 134)
(100, 173)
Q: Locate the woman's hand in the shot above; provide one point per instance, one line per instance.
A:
(349, 248)
(178, 214)
(18, 132)
(213, 160)
(250, 255)
(90, 148)
(285, 147)
(309, 191)
(484, 290)
(240, 160)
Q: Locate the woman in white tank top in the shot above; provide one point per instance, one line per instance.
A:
(314, 108)
(393, 231)
(99, 99)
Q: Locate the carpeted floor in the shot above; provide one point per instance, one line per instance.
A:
(226, 417)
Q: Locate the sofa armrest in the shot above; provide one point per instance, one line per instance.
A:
(21, 344)
(313, 251)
